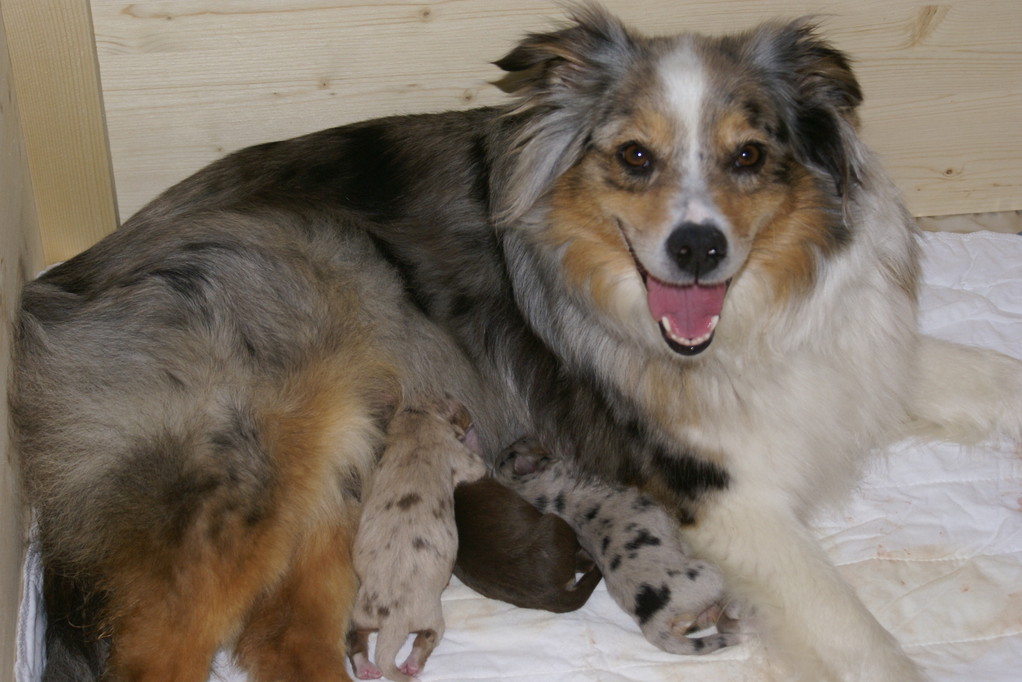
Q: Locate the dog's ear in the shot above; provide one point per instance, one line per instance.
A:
(574, 58)
(561, 80)
(819, 96)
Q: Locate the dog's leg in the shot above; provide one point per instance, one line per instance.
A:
(966, 394)
(296, 631)
(149, 644)
(422, 647)
(171, 607)
(806, 611)
(358, 654)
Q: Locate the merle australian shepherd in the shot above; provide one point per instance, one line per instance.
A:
(670, 258)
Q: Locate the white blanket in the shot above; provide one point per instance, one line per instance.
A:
(932, 541)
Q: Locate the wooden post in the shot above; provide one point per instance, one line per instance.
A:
(56, 77)
(20, 258)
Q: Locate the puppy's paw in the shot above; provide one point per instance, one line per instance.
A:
(454, 411)
(682, 637)
(364, 668)
(725, 617)
(523, 458)
(412, 666)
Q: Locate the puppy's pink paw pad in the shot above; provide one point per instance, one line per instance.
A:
(368, 671)
(412, 669)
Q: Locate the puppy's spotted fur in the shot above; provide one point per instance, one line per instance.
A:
(407, 540)
(647, 569)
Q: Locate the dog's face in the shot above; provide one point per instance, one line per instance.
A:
(684, 168)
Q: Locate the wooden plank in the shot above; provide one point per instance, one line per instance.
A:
(57, 79)
(188, 80)
(1005, 222)
(20, 255)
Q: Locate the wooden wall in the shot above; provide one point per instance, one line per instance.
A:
(57, 79)
(19, 257)
(188, 80)
(185, 81)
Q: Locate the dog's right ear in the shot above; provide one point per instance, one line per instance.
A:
(561, 80)
(568, 58)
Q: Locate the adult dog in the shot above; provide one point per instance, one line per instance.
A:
(671, 258)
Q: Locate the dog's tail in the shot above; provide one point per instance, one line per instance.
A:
(389, 640)
(75, 651)
(966, 394)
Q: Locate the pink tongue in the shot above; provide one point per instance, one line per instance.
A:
(690, 309)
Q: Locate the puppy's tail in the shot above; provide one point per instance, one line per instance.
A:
(75, 652)
(579, 594)
(389, 640)
(966, 394)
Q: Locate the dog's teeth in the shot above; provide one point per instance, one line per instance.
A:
(666, 322)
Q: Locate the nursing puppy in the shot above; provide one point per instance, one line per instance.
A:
(508, 550)
(407, 541)
(670, 258)
(648, 572)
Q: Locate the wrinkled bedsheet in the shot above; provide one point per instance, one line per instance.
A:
(931, 540)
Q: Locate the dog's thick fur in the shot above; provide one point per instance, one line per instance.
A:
(671, 258)
(509, 550)
(407, 538)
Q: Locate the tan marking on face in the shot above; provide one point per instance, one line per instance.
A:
(594, 256)
(793, 236)
(597, 205)
(785, 222)
(732, 129)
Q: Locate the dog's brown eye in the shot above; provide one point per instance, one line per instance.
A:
(749, 157)
(635, 158)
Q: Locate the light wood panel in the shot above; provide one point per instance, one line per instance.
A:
(19, 256)
(57, 79)
(188, 80)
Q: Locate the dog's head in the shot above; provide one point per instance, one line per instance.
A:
(670, 169)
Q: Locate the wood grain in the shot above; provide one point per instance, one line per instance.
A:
(57, 79)
(20, 255)
(188, 80)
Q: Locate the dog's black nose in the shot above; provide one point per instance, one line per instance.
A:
(697, 249)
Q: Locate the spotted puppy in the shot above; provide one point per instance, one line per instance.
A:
(509, 550)
(648, 571)
(406, 542)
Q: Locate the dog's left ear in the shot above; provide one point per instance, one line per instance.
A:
(561, 80)
(820, 96)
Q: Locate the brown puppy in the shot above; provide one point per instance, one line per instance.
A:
(508, 550)
(406, 541)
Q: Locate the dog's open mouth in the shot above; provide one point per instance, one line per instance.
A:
(687, 314)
